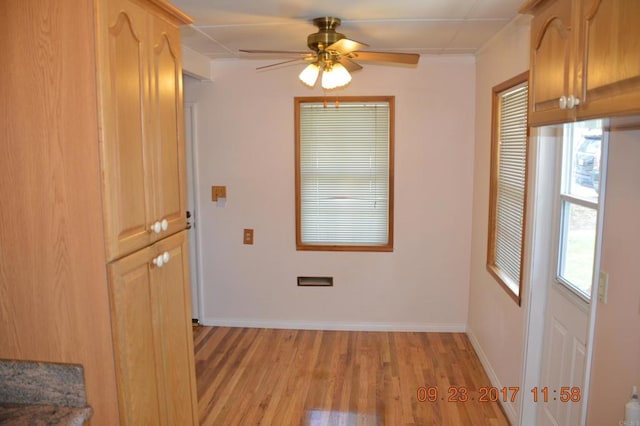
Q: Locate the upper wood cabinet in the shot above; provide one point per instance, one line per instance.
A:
(141, 136)
(609, 61)
(585, 59)
(551, 67)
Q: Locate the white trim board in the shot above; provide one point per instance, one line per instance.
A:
(333, 325)
(508, 407)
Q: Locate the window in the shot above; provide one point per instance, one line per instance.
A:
(508, 184)
(344, 173)
(579, 205)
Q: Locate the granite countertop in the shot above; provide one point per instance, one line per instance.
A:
(40, 393)
(31, 415)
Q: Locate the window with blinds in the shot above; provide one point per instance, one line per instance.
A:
(344, 173)
(508, 183)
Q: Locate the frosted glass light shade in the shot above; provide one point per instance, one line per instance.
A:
(336, 76)
(309, 75)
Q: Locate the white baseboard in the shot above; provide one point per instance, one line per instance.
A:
(331, 325)
(508, 407)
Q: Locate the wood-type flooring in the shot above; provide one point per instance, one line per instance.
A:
(251, 376)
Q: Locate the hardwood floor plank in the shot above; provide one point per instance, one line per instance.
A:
(318, 378)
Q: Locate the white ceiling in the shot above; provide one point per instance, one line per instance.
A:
(222, 27)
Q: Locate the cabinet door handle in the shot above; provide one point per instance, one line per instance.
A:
(562, 102)
(156, 227)
(158, 261)
(161, 259)
(572, 102)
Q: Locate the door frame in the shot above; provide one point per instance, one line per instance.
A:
(195, 264)
(604, 160)
(540, 245)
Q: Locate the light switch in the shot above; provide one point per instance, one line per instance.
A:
(218, 192)
(603, 286)
(248, 236)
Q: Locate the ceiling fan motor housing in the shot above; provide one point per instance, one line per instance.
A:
(326, 34)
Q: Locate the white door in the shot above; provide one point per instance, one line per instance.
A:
(192, 202)
(574, 259)
(561, 391)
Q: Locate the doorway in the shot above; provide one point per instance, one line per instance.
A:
(561, 277)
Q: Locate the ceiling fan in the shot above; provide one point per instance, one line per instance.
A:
(335, 55)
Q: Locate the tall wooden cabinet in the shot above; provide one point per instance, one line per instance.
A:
(585, 59)
(142, 155)
(93, 253)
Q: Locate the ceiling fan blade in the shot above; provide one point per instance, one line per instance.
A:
(281, 63)
(401, 58)
(288, 52)
(350, 65)
(344, 46)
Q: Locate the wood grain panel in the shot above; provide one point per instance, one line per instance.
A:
(124, 99)
(610, 42)
(551, 61)
(152, 335)
(132, 295)
(173, 301)
(306, 377)
(167, 134)
(53, 291)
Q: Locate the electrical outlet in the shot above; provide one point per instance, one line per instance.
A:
(248, 236)
(603, 286)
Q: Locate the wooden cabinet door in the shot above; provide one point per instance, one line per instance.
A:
(166, 132)
(151, 324)
(551, 75)
(142, 142)
(124, 92)
(610, 60)
(171, 283)
(133, 298)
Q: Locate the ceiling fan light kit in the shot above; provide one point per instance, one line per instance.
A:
(334, 54)
(309, 75)
(333, 75)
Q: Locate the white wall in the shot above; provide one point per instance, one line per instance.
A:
(245, 137)
(496, 322)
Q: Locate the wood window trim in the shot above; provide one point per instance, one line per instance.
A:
(300, 245)
(493, 189)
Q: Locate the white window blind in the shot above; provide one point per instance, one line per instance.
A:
(344, 173)
(507, 217)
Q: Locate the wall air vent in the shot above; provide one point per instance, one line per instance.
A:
(315, 281)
